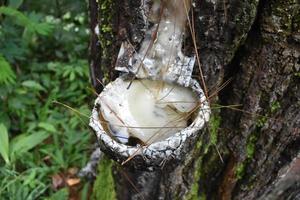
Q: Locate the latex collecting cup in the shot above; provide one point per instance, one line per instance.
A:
(150, 122)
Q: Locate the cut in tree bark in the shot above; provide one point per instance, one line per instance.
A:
(251, 146)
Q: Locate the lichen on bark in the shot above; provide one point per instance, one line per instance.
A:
(107, 37)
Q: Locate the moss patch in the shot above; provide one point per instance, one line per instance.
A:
(297, 74)
(261, 121)
(275, 106)
(251, 146)
(104, 186)
(193, 193)
(106, 30)
(240, 170)
(250, 149)
(205, 148)
(214, 125)
(106, 36)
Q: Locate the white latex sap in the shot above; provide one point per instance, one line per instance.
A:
(149, 110)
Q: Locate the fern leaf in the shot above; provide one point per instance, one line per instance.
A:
(7, 75)
(22, 20)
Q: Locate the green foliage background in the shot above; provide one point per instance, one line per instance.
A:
(43, 59)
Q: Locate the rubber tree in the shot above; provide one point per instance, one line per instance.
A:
(250, 57)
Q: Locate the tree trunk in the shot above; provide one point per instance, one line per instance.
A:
(251, 146)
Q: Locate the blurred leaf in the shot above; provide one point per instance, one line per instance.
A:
(47, 127)
(60, 195)
(72, 76)
(67, 16)
(7, 75)
(4, 118)
(30, 178)
(4, 145)
(15, 3)
(85, 191)
(25, 142)
(33, 85)
(23, 20)
(43, 28)
(72, 181)
(12, 49)
(20, 18)
(58, 181)
(58, 157)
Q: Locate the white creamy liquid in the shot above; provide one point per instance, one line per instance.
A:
(149, 110)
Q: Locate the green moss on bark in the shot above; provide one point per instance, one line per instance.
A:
(214, 125)
(250, 149)
(106, 35)
(275, 106)
(106, 15)
(104, 186)
(193, 193)
(240, 170)
(208, 150)
(251, 146)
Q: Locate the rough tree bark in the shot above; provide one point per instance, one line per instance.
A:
(247, 152)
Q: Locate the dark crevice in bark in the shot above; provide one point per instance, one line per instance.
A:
(230, 117)
(139, 184)
(286, 157)
(209, 182)
(94, 48)
(234, 67)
